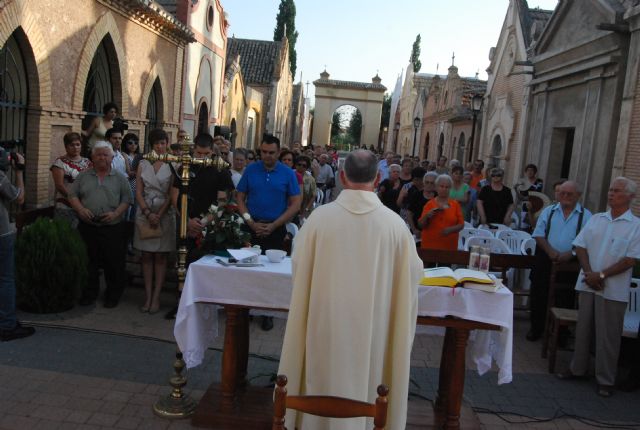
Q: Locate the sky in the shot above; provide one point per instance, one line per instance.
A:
(355, 39)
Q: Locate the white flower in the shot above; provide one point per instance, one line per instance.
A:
(213, 209)
(239, 221)
(219, 214)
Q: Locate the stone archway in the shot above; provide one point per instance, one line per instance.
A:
(331, 94)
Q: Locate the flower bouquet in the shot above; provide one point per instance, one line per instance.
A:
(222, 229)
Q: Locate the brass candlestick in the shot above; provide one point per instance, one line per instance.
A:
(178, 404)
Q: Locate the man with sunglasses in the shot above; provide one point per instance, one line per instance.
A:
(495, 202)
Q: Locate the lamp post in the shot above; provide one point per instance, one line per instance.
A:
(476, 106)
(397, 129)
(416, 124)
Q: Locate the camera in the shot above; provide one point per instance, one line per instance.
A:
(8, 157)
(120, 124)
(11, 144)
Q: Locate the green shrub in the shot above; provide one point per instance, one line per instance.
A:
(51, 266)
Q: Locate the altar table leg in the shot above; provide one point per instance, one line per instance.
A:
(456, 388)
(230, 358)
(243, 347)
(444, 377)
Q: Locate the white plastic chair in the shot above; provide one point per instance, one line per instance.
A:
(467, 233)
(464, 235)
(528, 246)
(513, 238)
(319, 197)
(292, 229)
(467, 224)
(495, 245)
(632, 314)
(494, 229)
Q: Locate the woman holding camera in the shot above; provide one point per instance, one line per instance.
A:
(64, 171)
(155, 233)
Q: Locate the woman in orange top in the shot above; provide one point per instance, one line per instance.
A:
(441, 218)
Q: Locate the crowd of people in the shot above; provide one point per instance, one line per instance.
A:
(120, 202)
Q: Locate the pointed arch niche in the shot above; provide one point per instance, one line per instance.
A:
(104, 40)
(155, 110)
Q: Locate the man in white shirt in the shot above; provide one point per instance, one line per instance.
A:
(326, 179)
(120, 163)
(607, 248)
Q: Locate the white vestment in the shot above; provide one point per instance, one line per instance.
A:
(353, 309)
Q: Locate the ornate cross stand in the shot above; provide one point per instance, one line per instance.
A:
(178, 404)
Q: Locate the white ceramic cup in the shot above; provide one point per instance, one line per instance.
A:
(275, 255)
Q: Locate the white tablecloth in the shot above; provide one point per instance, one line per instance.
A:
(209, 283)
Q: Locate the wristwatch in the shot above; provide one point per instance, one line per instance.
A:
(246, 216)
(602, 276)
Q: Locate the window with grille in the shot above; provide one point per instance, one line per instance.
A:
(98, 89)
(14, 94)
(154, 110)
(203, 118)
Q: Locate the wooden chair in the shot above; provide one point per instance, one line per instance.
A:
(632, 314)
(328, 406)
(556, 317)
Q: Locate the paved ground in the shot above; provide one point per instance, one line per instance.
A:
(93, 368)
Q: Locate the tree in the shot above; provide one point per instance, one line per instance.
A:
(355, 126)
(336, 125)
(415, 55)
(287, 19)
(386, 111)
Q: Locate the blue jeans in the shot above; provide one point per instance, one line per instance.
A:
(7, 283)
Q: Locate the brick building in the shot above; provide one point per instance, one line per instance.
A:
(506, 101)
(265, 69)
(62, 60)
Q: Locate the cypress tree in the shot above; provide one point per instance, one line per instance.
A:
(286, 18)
(415, 55)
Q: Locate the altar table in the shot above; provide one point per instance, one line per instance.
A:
(269, 287)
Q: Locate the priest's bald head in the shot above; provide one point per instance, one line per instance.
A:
(360, 171)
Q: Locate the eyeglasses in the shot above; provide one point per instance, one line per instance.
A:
(302, 165)
(250, 158)
(498, 175)
(224, 154)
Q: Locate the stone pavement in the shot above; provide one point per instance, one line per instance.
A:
(96, 368)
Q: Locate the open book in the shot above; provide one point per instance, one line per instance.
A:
(489, 288)
(445, 277)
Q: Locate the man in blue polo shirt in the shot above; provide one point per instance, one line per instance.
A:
(557, 227)
(268, 198)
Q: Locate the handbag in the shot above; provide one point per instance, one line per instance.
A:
(145, 231)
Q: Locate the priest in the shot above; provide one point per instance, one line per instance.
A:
(353, 309)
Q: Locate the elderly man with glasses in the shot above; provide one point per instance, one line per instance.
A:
(495, 202)
(557, 227)
(607, 248)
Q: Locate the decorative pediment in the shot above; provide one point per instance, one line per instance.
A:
(575, 22)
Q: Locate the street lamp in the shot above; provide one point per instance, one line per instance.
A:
(397, 129)
(476, 106)
(416, 124)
